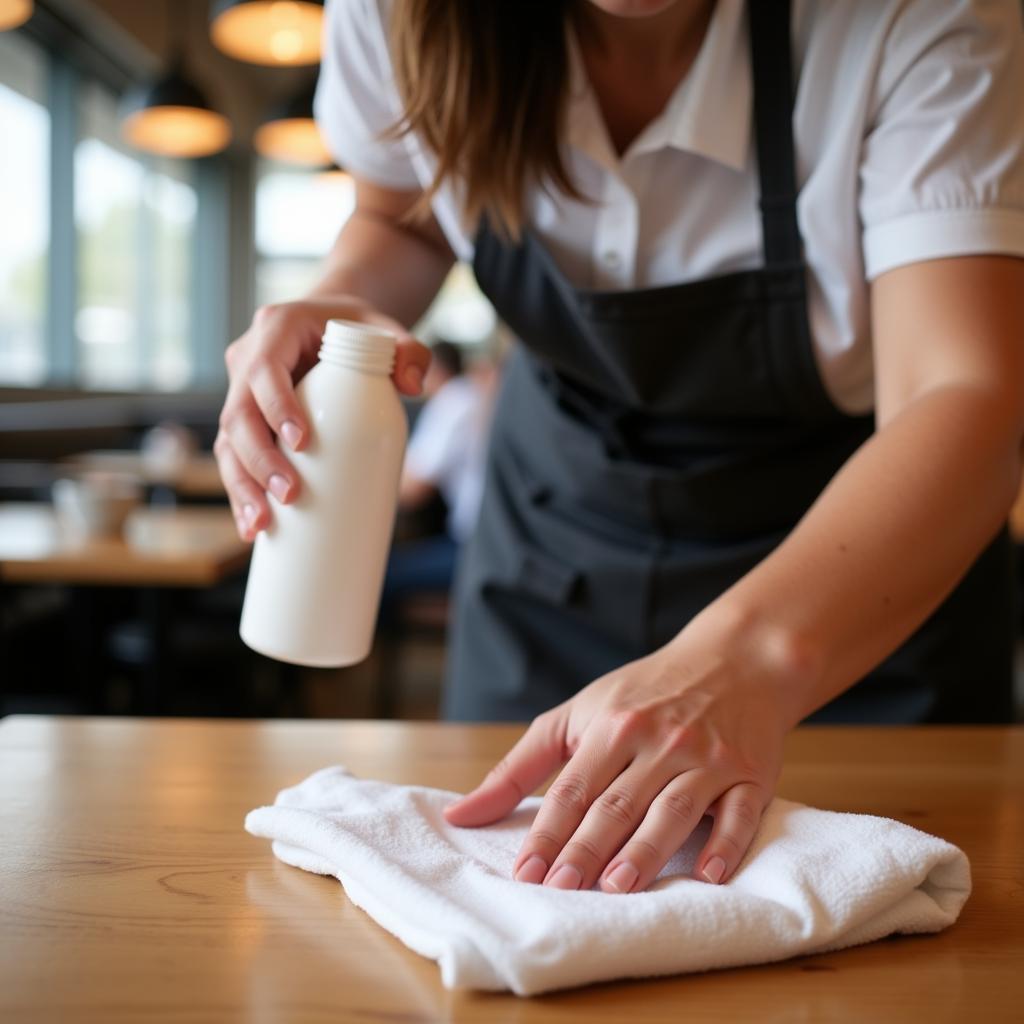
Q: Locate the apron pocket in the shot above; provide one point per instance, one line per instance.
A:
(547, 578)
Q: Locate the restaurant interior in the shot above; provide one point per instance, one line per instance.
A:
(133, 250)
(162, 180)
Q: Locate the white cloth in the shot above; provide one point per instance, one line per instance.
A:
(448, 448)
(812, 881)
(909, 133)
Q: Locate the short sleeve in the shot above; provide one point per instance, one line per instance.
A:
(942, 169)
(356, 100)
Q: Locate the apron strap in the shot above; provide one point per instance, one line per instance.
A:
(772, 66)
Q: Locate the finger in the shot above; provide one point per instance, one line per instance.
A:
(588, 774)
(253, 444)
(537, 754)
(411, 361)
(247, 500)
(411, 356)
(674, 813)
(613, 817)
(737, 814)
(272, 388)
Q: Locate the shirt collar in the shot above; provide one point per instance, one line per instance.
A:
(709, 114)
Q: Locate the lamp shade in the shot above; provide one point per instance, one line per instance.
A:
(275, 32)
(172, 117)
(14, 13)
(290, 134)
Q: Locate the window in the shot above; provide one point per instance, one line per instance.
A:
(134, 216)
(24, 212)
(102, 298)
(298, 216)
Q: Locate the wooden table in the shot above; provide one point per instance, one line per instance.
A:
(129, 891)
(198, 477)
(161, 549)
(1017, 518)
(167, 547)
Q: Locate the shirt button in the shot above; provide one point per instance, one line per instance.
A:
(610, 258)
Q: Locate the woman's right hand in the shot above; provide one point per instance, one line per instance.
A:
(264, 365)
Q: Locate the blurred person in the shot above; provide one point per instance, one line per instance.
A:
(445, 457)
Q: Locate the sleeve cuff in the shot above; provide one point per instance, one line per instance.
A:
(935, 234)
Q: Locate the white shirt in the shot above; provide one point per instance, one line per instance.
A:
(909, 131)
(447, 449)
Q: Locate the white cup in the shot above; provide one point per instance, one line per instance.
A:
(95, 505)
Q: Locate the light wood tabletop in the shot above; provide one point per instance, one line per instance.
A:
(196, 477)
(130, 892)
(183, 546)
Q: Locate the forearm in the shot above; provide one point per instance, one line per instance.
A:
(389, 266)
(882, 547)
(414, 492)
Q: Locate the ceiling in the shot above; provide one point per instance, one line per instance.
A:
(139, 36)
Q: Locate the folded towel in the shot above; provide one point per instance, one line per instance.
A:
(812, 881)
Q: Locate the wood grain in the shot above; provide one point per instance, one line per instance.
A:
(184, 546)
(129, 891)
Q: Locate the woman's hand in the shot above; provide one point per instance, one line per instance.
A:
(264, 365)
(647, 750)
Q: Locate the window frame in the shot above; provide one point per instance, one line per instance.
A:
(71, 61)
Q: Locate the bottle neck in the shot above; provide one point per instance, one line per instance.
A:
(355, 346)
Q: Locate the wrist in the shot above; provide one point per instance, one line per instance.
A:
(767, 653)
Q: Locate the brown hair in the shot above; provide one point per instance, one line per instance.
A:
(484, 84)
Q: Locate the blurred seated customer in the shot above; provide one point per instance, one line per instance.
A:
(445, 457)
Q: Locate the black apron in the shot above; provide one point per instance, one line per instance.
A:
(650, 447)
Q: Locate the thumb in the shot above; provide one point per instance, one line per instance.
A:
(540, 751)
(411, 361)
(412, 357)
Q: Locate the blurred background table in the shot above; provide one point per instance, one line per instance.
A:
(161, 547)
(129, 890)
(197, 477)
(1017, 518)
(145, 608)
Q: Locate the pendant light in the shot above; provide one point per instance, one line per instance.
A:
(290, 134)
(275, 32)
(14, 13)
(172, 116)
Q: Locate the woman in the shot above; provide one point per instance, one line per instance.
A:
(755, 456)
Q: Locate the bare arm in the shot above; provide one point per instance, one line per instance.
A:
(393, 265)
(414, 492)
(902, 522)
(382, 270)
(697, 727)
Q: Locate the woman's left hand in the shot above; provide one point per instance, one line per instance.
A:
(647, 751)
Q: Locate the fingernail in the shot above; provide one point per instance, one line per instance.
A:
(414, 377)
(566, 877)
(291, 434)
(532, 871)
(623, 877)
(249, 514)
(713, 870)
(278, 486)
